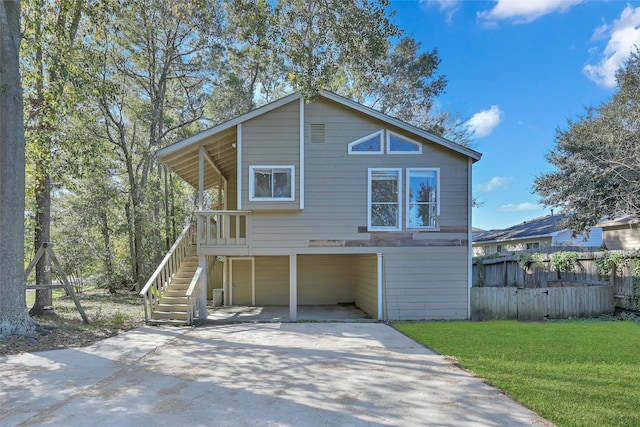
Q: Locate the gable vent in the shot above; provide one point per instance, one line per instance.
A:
(316, 133)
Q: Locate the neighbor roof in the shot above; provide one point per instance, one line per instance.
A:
(539, 227)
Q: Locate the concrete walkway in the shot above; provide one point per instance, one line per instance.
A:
(251, 374)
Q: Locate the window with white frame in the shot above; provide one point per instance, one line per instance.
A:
(370, 144)
(385, 208)
(423, 205)
(271, 183)
(397, 144)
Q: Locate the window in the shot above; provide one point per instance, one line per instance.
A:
(271, 183)
(422, 198)
(385, 210)
(370, 144)
(533, 245)
(397, 144)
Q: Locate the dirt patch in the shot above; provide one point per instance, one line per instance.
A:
(62, 327)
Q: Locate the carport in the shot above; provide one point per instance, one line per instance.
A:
(311, 286)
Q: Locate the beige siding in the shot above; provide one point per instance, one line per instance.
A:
(325, 279)
(425, 284)
(621, 237)
(272, 280)
(272, 139)
(366, 283)
(336, 183)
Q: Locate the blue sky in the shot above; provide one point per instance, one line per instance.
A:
(517, 70)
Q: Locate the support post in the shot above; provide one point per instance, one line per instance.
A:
(202, 298)
(293, 288)
(380, 294)
(201, 178)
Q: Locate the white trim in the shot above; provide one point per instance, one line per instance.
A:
(301, 154)
(364, 139)
(469, 237)
(253, 277)
(293, 288)
(400, 217)
(226, 125)
(380, 301)
(253, 168)
(389, 134)
(408, 202)
(239, 166)
(402, 125)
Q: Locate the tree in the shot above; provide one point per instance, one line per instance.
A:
(597, 158)
(47, 60)
(14, 318)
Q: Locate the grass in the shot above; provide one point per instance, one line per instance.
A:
(108, 315)
(574, 373)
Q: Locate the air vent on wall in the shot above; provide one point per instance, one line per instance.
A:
(316, 133)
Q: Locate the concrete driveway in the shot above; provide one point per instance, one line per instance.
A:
(262, 374)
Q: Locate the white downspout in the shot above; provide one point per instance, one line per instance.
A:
(469, 238)
(239, 166)
(301, 153)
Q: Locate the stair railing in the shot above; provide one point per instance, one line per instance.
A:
(160, 279)
(193, 293)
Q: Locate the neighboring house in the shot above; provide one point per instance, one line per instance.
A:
(533, 234)
(330, 202)
(623, 233)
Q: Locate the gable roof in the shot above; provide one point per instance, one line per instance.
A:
(546, 226)
(627, 220)
(181, 156)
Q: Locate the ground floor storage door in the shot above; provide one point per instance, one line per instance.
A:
(242, 283)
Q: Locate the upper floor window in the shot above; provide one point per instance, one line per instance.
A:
(385, 209)
(370, 144)
(385, 141)
(271, 183)
(423, 192)
(397, 144)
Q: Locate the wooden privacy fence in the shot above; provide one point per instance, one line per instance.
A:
(508, 271)
(540, 303)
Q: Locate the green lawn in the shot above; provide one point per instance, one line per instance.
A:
(574, 373)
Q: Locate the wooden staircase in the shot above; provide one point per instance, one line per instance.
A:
(173, 306)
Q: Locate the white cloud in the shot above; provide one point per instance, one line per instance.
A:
(448, 6)
(525, 11)
(495, 183)
(483, 122)
(520, 207)
(623, 34)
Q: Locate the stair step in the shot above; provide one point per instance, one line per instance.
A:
(170, 299)
(178, 286)
(173, 322)
(170, 308)
(169, 315)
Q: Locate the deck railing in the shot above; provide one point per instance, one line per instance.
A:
(159, 280)
(224, 228)
(193, 293)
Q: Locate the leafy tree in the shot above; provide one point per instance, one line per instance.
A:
(50, 30)
(14, 318)
(597, 158)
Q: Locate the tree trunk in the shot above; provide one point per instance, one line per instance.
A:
(14, 318)
(108, 261)
(44, 299)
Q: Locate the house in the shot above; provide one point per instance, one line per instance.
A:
(533, 234)
(622, 233)
(330, 202)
